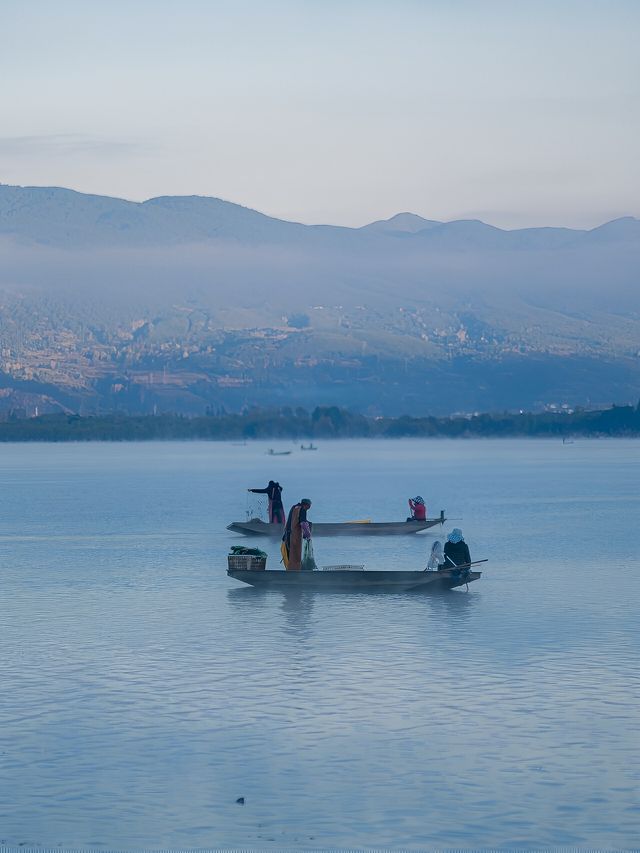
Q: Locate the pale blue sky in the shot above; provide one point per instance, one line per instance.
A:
(516, 112)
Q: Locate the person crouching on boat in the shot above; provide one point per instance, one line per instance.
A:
(274, 494)
(456, 550)
(436, 557)
(418, 509)
(297, 529)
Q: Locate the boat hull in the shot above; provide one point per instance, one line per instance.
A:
(353, 580)
(256, 527)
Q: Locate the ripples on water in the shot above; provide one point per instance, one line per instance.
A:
(143, 691)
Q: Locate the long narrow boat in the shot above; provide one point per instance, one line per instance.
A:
(355, 579)
(257, 527)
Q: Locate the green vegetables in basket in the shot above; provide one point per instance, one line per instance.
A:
(238, 550)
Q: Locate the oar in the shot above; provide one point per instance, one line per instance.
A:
(463, 565)
(466, 565)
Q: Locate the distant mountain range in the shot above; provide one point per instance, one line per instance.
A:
(62, 218)
(190, 302)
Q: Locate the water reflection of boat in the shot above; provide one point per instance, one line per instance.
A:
(356, 578)
(272, 452)
(257, 527)
(310, 446)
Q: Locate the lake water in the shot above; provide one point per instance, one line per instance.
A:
(143, 691)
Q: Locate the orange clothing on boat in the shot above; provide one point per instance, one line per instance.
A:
(297, 528)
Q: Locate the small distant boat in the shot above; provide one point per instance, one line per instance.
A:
(257, 527)
(272, 452)
(310, 446)
(357, 578)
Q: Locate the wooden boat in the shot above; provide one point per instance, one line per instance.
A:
(272, 452)
(355, 579)
(257, 527)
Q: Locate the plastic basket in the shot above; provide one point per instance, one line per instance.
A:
(246, 562)
(346, 567)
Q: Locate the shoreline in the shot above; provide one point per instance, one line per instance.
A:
(321, 424)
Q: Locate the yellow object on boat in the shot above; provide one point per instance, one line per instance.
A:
(359, 521)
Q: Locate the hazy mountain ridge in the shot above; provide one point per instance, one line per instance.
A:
(405, 223)
(68, 219)
(227, 305)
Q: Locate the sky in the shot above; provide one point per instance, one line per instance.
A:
(516, 112)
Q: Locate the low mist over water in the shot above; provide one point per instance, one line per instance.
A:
(145, 692)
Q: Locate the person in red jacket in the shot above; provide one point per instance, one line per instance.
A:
(418, 509)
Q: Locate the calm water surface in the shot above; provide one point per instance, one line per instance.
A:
(143, 691)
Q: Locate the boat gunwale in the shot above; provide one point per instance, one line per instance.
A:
(257, 527)
(357, 579)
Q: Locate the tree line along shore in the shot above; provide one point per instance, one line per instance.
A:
(322, 422)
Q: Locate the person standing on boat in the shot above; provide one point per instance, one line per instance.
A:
(418, 509)
(456, 550)
(297, 529)
(274, 493)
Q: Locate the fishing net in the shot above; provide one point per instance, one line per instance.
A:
(242, 550)
(308, 563)
(246, 559)
(256, 506)
(344, 567)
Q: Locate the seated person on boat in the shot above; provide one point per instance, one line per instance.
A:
(456, 550)
(418, 509)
